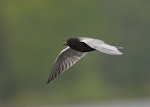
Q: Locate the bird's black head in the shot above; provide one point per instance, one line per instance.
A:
(72, 41)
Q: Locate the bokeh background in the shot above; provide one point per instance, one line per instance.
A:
(31, 36)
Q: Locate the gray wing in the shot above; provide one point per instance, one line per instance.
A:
(101, 46)
(64, 61)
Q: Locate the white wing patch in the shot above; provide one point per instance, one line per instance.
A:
(101, 46)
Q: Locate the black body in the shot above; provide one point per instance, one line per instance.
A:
(75, 44)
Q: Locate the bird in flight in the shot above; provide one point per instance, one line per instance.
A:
(76, 49)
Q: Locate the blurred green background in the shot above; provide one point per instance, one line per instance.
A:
(31, 35)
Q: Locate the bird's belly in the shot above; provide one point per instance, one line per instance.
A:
(86, 50)
(82, 47)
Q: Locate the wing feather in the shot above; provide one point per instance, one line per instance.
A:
(64, 61)
(101, 46)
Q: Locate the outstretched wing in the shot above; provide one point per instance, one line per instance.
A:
(101, 46)
(64, 61)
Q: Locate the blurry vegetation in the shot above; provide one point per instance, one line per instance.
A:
(31, 34)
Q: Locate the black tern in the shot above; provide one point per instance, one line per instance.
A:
(76, 49)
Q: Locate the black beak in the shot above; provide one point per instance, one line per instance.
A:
(64, 44)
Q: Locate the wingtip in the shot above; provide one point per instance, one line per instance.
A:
(47, 82)
(120, 53)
